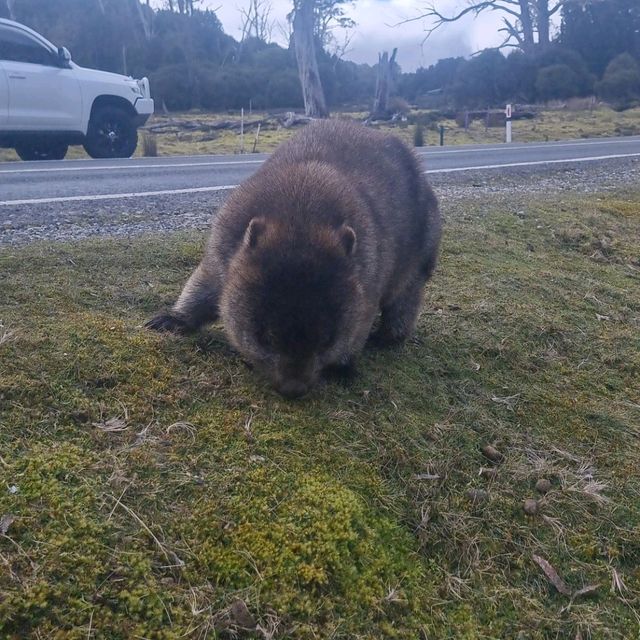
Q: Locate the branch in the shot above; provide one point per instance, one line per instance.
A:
(556, 8)
(515, 14)
(513, 32)
(476, 8)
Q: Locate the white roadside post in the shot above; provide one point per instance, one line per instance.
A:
(508, 122)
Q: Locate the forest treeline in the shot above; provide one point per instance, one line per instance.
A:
(193, 63)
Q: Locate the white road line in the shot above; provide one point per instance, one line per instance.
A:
(144, 194)
(533, 163)
(116, 196)
(532, 145)
(128, 167)
(210, 163)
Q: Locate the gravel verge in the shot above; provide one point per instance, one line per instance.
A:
(67, 221)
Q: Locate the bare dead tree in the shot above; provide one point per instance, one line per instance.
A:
(526, 23)
(315, 104)
(142, 17)
(383, 84)
(285, 29)
(256, 23)
(340, 48)
(184, 7)
(190, 6)
(256, 20)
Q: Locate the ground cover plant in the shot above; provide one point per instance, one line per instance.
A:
(548, 125)
(481, 481)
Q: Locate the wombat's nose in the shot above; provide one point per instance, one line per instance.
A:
(293, 388)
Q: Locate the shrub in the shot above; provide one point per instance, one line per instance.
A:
(171, 86)
(149, 145)
(556, 81)
(397, 104)
(621, 80)
(581, 79)
(481, 81)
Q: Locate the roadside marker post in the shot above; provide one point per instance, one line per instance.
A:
(442, 135)
(507, 113)
(242, 130)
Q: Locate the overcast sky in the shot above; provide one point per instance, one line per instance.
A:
(375, 30)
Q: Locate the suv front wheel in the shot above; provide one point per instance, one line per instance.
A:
(112, 134)
(42, 150)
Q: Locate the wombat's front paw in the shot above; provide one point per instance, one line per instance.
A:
(168, 322)
(383, 338)
(342, 373)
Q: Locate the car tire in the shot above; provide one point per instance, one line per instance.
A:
(111, 134)
(42, 150)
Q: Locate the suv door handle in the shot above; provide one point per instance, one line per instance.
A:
(14, 76)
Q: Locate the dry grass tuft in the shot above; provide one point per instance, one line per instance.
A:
(149, 145)
(5, 334)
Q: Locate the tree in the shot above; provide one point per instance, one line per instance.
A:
(256, 21)
(481, 81)
(305, 46)
(599, 31)
(621, 81)
(330, 15)
(526, 23)
(184, 7)
(558, 55)
(556, 81)
(142, 15)
(436, 78)
(520, 77)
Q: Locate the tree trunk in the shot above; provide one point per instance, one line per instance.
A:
(528, 44)
(383, 84)
(543, 19)
(141, 17)
(312, 93)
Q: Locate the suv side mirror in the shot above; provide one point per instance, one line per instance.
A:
(64, 56)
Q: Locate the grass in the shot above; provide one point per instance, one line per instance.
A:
(549, 124)
(153, 487)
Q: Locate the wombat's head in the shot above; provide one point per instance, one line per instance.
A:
(290, 301)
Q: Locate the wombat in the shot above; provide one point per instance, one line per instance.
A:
(338, 226)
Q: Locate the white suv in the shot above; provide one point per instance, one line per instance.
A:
(47, 102)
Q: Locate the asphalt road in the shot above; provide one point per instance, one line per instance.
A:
(39, 183)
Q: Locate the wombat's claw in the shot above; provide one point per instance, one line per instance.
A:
(167, 322)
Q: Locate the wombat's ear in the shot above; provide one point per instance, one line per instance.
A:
(255, 229)
(348, 240)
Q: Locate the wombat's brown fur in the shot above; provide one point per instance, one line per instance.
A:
(336, 227)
